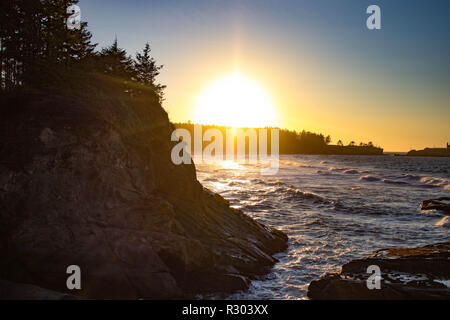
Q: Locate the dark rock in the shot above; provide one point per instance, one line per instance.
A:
(87, 180)
(441, 204)
(19, 291)
(406, 273)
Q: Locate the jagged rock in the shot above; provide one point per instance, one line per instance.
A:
(441, 204)
(87, 180)
(406, 273)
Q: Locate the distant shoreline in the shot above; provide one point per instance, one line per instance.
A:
(391, 154)
(293, 142)
(430, 152)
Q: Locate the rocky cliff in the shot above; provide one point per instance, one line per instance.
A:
(86, 179)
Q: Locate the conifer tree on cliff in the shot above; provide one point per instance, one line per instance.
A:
(35, 40)
(147, 70)
(116, 63)
(61, 43)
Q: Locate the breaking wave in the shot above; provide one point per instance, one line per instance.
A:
(444, 222)
(436, 182)
(369, 178)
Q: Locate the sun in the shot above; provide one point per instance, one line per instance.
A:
(235, 101)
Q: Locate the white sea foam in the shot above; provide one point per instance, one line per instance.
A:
(337, 169)
(444, 282)
(436, 182)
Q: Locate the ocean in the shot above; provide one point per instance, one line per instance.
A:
(333, 209)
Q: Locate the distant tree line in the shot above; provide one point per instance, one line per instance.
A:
(37, 50)
(303, 142)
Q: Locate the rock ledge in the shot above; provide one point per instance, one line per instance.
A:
(406, 273)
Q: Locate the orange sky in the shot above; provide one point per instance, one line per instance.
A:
(317, 97)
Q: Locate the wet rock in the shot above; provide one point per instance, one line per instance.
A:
(89, 181)
(406, 273)
(441, 204)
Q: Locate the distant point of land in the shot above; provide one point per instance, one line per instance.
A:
(431, 152)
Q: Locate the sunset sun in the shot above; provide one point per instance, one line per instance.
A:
(235, 101)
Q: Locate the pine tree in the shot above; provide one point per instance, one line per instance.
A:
(35, 39)
(19, 25)
(146, 67)
(147, 70)
(115, 62)
(62, 44)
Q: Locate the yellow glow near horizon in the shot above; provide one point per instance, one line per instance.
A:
(235, 101)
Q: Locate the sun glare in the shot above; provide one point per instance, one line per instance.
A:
(235, 101)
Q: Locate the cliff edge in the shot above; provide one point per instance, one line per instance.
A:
(86, 179)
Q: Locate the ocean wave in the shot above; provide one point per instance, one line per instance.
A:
(444, 222)
(291, 193)
(436, 182)
(234, 183)
(261, 206)
(269, 183)
(306, 166)
(347, 170)
(359, 209)
(369, 178)
(325, 173)
(431, 213)
(411, 176)
(337, 169)
(390, 181)
(297, 164)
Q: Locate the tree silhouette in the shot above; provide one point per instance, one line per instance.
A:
(147, 70)
(115, 62)
(34, 41)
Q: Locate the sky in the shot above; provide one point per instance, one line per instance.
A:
(321, 67)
